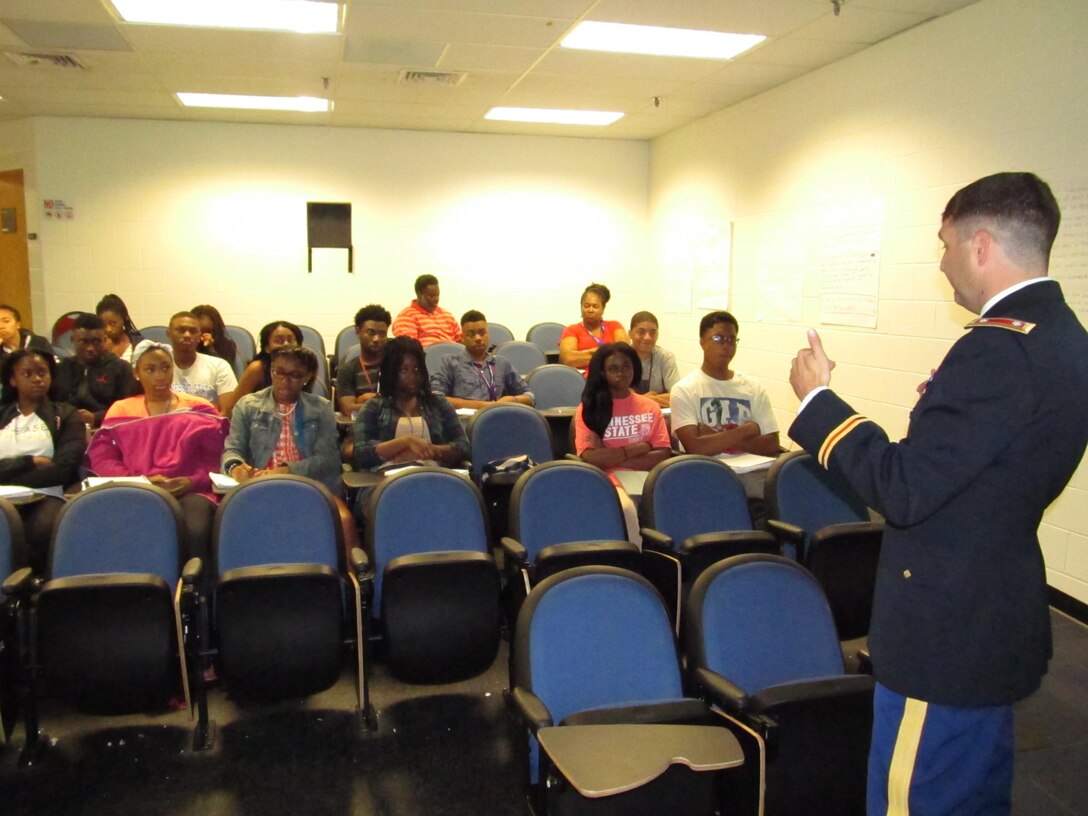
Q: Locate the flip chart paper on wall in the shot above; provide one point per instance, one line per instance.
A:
(1069, 258)
(845, 239)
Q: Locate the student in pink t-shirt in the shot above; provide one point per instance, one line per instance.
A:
(615, 428)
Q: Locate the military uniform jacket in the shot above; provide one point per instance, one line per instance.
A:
(960, 613)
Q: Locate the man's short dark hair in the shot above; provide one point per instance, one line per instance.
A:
(712, 319)
(1020, 205)
(174, 317)
(5, 308)
(88, 321)
(379, 314)
(423, 281)
(643, 317)
(473, 316)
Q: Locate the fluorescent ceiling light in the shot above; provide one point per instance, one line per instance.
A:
(559, 117)
(276, 15)
(306, 104)
(658, 41)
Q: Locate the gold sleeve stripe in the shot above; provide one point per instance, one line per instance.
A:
(837, 435)
(901, 770)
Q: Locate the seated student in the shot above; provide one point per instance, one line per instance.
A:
(282, 429)
(258, 374)
(358, 382)
(615, 428)
(476, 379)
(659, 371)
(424, 320)
(214, 337)
(41, 446)
(121, 333)
(93, 379)
(13, 336)
(194, 373)
(173, 438)
(406, 422)
(579, 341)
(718, 410)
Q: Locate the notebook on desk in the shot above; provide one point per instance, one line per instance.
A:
(745, 462)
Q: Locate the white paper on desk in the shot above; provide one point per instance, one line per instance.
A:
(221, 481)
(745, 462)
(95, 481)
(466, 412)
(16, 492)
(632, 481)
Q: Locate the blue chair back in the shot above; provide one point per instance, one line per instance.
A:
(279, 519)
(556, 386)
(156, 334)
(508, 429)
(760, 621)
(522, 355)
(11, 535)
(688, 495)
(118, 528)
(319, 388)
(498, 333)
(312, 339)
(435, 353)
(427, 510)
(60, 352)
(562, 502)
(246, 347)
(591, 637)
(546, 336)
(346, 339)
(805, 494)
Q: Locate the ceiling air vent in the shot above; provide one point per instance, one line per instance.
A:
(447, 79)
(56, 60)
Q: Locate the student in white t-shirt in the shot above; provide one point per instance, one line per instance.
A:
(198, 374)
(718, 410)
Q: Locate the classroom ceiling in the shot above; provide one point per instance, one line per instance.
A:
(508, 50)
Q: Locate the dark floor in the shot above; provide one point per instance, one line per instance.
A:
(438, 750)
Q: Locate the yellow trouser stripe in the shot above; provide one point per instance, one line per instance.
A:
(901, 770)
(836, 436)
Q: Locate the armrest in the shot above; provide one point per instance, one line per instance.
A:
(841, 687)
(513, 548)
(733, 543)
(865, 660)
(574, 457)
(532, 711)
(191, 572)
(786, 531)
(360, 562)
(654, 540)
(20, 583)
(358, 479)
(721, 692)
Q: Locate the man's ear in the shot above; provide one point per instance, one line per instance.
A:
(982, 247)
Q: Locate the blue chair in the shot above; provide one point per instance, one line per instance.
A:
(279, 596)
(507, 429)
(156, 334)
(435, 584)
(556, 386)
(246, 348)
(499, 334)
(694, 513)
(762, 647)
(819, 516)
(562, 514)
(11, 541)
(546, 336)
(435, 353)
(312, 339)
(346, 340)
(594, 646)
(106, 635)
(522, 355)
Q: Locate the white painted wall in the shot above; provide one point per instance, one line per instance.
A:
(995, 86)
(170, 214)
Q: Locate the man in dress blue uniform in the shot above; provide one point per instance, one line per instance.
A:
(960, 626)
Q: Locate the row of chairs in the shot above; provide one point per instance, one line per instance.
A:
(545, 336)
(595, 647)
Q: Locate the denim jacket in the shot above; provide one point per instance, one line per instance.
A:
(377, 423)
(255, 428)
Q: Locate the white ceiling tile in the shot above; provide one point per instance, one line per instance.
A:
(393, 52)
(769, 17)
(8, 38)
(383, 22)
(73, 36)
(589, 85)
(569, 62)
(568, 9)
(860, 25)
(60, 11)
(464, 57)
(933, 7)
(284, 45)
(800, 52)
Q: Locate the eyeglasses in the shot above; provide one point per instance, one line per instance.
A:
(293, 376)
(724, 340)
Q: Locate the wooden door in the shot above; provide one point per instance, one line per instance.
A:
(14, 257)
